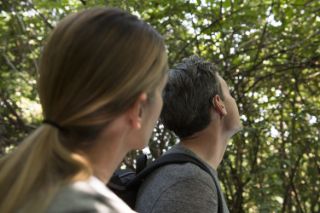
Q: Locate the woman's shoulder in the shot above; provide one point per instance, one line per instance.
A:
(86, 196)
(79, 196)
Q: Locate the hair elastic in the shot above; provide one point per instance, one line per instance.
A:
(53, 124)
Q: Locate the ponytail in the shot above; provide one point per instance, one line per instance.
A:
(38, 168)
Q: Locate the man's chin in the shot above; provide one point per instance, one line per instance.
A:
(235, 130)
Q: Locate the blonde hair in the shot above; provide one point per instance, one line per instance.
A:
(94, 66)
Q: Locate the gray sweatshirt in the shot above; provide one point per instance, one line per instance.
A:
(184, 188)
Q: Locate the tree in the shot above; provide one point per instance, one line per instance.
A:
(267, 50)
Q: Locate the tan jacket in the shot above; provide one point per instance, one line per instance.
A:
(87, 196)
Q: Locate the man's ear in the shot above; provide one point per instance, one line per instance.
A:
(219, 106)
(136, 110)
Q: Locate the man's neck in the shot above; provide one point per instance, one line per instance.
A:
(209, 144)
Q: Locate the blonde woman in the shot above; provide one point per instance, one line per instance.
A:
(102, 72)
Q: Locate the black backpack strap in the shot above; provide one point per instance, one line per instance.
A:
(175, 158)
(142, 161)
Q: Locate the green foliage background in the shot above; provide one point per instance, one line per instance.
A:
(268, 51)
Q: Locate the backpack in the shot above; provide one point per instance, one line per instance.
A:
(126, 183)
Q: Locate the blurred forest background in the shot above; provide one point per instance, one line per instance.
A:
(267, 50)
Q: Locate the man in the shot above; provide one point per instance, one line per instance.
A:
(199, 109)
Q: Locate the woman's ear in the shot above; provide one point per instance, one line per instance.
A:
(219, 106)
(136, 110)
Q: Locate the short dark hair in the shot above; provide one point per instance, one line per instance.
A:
(187, 97)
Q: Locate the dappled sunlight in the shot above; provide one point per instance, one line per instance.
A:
(267, 52)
